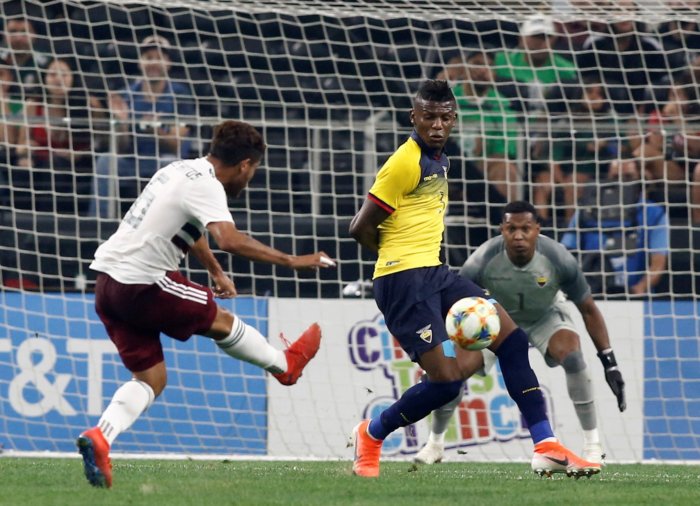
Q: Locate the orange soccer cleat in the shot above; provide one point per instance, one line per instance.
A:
(94, 448)
(299, 353)
(367, 452)
(553, 457)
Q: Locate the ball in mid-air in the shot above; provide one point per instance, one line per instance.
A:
(472, 323)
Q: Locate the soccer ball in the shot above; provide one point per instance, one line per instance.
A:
(472, 323)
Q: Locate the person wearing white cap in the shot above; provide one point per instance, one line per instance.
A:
(527, 75)
(533, 61)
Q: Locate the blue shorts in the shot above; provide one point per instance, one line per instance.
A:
(415, 303)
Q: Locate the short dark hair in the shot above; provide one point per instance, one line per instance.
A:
(520, 206)
(235, 141)
(435, 90)
(486, 50)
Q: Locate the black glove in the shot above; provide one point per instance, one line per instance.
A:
(613, 376)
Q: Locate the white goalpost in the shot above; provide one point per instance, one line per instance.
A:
(330, 84)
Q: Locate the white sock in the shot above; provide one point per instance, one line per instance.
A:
(246, 343)
(441, 418)
(128, 402)
(591, 436)
(438, 439)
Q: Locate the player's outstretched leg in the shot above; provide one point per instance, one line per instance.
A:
(96, 462)
(299, 353)
(553, 457)
(367, 452)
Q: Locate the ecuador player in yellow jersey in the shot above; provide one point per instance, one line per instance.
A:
(402, 220)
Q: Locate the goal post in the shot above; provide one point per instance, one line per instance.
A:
(330, 86)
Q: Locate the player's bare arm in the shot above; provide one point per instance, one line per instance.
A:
(363, 227)
(224, 288)
(232, 240)
(657, 268)
(595, 324)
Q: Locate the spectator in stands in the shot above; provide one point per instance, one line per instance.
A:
(152, 131)
(627, 60)
(622, 237)
(680, 37)
(58, 143)
(10, 110)
(531, 73)
(533, 68)
(488, 127)
(584, 140)
(18, 51)
(572, 35)
(671, 149)
(454, 71)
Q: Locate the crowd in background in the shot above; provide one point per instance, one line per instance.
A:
(567, 111)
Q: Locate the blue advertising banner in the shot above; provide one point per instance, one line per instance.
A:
(58, 371)
(672, 381)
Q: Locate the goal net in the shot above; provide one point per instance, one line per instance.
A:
(586, 109)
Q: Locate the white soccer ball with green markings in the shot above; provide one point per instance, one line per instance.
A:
(472, 323)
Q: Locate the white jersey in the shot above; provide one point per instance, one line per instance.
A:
(163, 223)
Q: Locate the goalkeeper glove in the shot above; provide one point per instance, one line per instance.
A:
(613, 376)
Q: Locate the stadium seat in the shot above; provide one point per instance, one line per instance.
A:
(55, 248)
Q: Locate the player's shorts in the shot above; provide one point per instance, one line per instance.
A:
(557, 317)
(135, 315)
(415, 302)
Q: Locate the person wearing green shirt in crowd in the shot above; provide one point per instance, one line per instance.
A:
(487, 124)
(530, 74)
(585, 138)
(533, 63)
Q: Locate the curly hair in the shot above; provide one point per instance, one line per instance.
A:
(235, 141)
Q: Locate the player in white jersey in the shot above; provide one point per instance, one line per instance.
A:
(140, 294)
(529, 274)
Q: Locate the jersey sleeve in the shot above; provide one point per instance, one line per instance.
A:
(571, 279)
(206, 201)
(398, 176)
(477, 261)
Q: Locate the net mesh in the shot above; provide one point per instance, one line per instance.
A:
(609, 115)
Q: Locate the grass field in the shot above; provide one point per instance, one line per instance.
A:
(34, 482)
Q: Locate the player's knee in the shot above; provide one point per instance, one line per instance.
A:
(454, 402)
(222, 325)
(514, 344)
(574, 362)
(155, 378)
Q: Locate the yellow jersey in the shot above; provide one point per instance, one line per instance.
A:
(412, 186)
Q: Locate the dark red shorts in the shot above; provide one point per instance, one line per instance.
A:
(135, 315)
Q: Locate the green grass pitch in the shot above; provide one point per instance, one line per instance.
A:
(48, 481)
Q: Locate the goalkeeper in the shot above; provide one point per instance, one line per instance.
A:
(527, 273)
